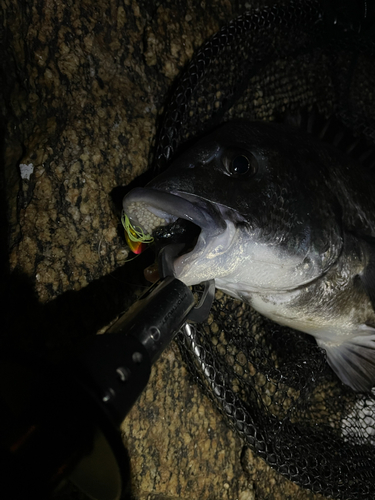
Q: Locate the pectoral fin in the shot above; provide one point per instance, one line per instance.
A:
(353, 361)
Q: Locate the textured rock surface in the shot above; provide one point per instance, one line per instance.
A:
(84, 85)
(83, 95)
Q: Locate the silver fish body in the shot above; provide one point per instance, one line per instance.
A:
(287, 225)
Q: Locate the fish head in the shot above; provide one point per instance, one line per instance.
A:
(267, 218)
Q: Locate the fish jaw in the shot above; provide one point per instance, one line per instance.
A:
(149, 208)
(227, 250)
(209, 258)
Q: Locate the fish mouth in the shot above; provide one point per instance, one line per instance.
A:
(154, 211)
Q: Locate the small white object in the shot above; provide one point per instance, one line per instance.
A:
(26, 170)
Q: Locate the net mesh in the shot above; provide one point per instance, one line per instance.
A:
(273, 384)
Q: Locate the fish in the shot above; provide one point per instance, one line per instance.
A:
(285, 223)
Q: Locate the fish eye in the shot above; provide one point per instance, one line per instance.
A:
(242, 165)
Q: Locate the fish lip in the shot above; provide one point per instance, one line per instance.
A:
(177, 204)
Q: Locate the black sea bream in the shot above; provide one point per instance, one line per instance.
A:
(287, 225)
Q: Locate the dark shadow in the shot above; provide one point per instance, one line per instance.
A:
(57, 328)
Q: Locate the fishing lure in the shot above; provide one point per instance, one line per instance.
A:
(135, 236)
